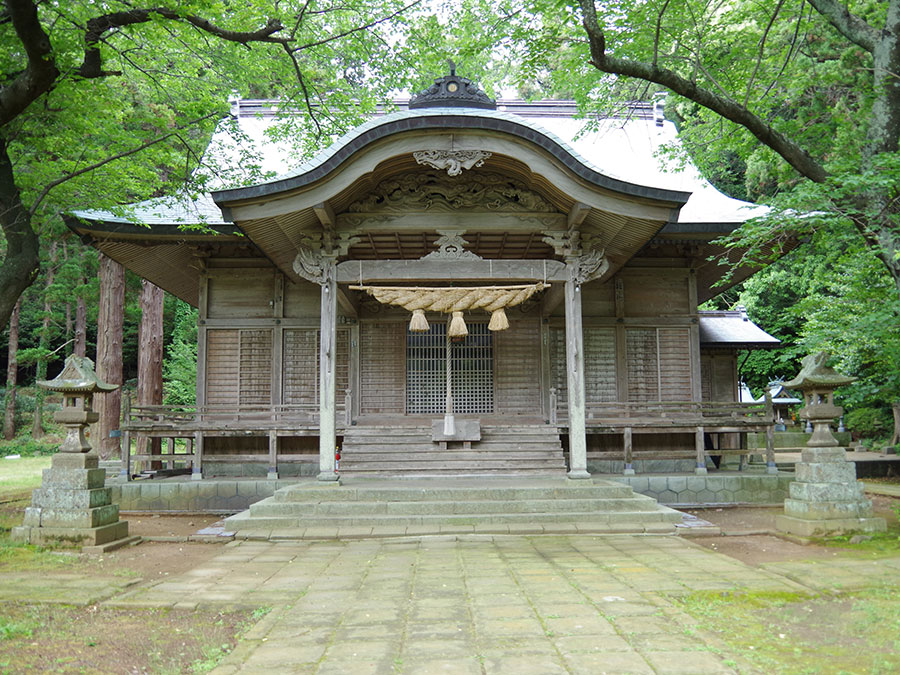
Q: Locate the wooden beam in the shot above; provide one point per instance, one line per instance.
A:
(346, 304)
(552, 297)
(577, 214)
(325, 214)
(367, 271)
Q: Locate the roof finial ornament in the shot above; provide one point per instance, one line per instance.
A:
(452, 91)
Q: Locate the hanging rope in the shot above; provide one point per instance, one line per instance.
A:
(418, 300)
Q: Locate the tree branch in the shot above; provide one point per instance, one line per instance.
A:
(792, 153)
(849, 25)
(92, 66)
(357, 29)
(112, 158)
(41, 71)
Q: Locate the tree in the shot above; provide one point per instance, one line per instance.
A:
(105, 102)
(750, 64)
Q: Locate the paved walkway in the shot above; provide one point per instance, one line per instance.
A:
(466, 604)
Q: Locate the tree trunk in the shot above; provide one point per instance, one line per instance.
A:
(150, 356)
(9, 420)
(80, 348)
(21, 262)
(37, 425)
(109, 354)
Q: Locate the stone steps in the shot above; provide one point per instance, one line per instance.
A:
(496, 504)
(437, 508)
(409, 451)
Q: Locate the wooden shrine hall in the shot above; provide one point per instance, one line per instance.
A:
(450, 288)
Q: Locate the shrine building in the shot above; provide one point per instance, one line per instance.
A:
(454, 288)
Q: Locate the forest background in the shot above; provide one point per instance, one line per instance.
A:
(792, 103)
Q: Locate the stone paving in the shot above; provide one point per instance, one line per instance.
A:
(466, 604)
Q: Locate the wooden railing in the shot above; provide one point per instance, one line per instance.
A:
(697, 417)
(179, 431)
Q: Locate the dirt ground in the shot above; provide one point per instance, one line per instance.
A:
(738, 523)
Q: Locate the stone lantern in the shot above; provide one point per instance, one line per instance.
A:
(77, 383)
(825, 497)
(73, 505)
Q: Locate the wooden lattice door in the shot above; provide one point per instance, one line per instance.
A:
(472, 368)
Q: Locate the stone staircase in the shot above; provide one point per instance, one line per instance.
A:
(366, 507)
(519, 450)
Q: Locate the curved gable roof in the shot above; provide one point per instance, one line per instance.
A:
(443, 119)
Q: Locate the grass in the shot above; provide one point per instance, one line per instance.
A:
(796, 633)
(19, 475)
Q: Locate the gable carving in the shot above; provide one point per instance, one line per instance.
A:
(430, 190)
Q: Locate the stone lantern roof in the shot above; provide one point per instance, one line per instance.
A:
(814, 374)
(77, 377)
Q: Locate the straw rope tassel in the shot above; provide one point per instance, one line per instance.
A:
(418, 323)
(458, 326)
(498, 320)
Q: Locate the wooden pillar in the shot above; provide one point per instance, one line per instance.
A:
(197, 464)
(700, 447)
(627, 446)
(327, 371)
(273, 455)
(575, 376)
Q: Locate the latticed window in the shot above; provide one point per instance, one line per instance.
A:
(472, 367)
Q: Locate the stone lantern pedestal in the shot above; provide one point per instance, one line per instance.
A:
(825, 498)
(73, 505)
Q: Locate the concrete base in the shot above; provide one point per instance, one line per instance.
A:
(72, 506)
(803, 527)
(578, 475)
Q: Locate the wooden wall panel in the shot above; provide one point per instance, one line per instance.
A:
(725, 378)
(656, 292)
(599, 365)
(382, 348)
(517, 368)
(222, 367)
(301, 300)
(706, 388)
(244, 294)
(596, 299)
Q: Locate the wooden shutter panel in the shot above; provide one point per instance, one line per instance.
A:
(642, 364)
(301, 366)
(517, 368)
(599, 365)
(222, 367)
(674, 364)
(558, 367)
(238, 367)
(382, 348)
(256, 367)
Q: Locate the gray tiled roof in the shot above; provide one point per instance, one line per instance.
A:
(732, 329)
